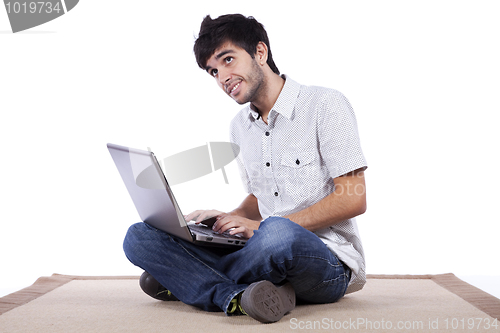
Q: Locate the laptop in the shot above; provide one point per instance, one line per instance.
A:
(155, 202)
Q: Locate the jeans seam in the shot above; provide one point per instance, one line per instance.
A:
(300, 256)
(320, 258)
(343, 276)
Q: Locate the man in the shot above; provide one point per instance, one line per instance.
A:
(303, 168)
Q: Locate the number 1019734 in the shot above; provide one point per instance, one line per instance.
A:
(33, 7)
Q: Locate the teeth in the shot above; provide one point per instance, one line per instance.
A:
(234, 88)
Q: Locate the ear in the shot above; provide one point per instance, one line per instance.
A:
(261, 53)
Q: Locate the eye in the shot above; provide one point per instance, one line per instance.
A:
(213, 72)
(228, 60)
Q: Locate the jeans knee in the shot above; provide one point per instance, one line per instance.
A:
(280, 226)
(132, 244)
(278, 234)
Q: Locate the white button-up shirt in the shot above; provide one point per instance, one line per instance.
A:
(289, 163)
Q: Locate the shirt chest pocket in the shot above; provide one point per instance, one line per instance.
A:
(298, 159)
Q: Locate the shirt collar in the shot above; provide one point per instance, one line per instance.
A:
(286, 100)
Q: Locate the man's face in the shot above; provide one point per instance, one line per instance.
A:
(236, 72)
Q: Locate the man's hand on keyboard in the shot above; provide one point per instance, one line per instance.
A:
(235, 225)
(199, 215)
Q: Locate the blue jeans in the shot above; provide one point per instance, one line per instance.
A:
(209, 278)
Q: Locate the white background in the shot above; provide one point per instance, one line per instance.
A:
(422, 76)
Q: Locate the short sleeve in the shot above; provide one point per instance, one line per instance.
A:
(338, 134)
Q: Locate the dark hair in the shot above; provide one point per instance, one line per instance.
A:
(244, 32)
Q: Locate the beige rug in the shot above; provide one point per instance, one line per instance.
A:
(430, 303)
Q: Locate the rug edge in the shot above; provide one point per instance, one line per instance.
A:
(472, 295)
(44, 285)
(478, 298)
(485, 302)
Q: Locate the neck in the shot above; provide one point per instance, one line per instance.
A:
(271, 90)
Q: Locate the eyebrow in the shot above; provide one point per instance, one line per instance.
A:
(223, 53)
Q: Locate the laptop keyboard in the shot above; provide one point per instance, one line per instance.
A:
(209, 232)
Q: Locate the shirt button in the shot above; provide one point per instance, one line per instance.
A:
(297, 162)
(275, 194)
(268, 164)
(267, 133)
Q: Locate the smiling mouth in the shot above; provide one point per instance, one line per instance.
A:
(235, 87)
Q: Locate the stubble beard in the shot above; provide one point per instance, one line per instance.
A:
(256, 84)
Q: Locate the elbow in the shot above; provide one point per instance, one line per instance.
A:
(360, 206)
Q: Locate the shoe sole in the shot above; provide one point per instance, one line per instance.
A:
(267, 303)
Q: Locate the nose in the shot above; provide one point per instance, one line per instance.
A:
(224, 76)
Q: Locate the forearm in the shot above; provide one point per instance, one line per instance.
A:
(249, 209)
(329, 211)
(347, 201)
